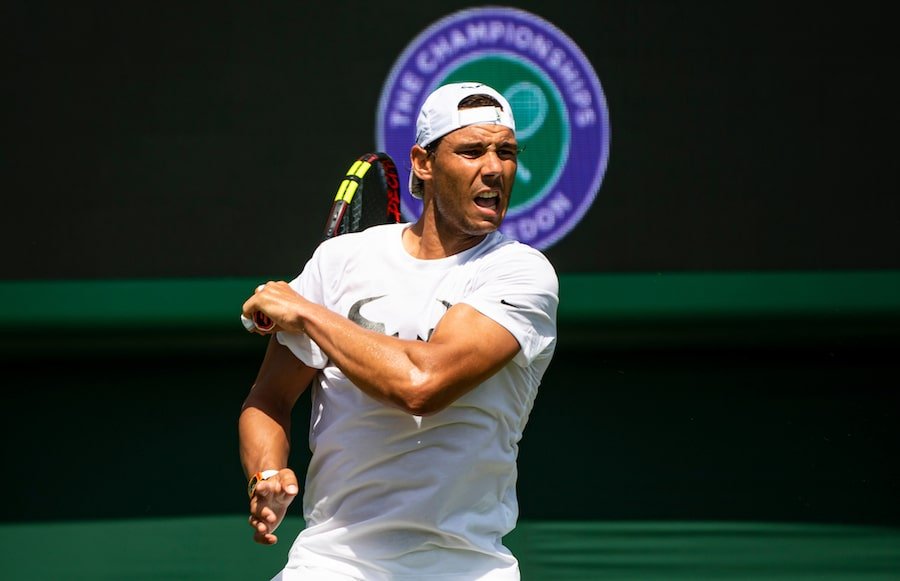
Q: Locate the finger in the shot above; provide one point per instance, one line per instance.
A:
(256, 511)
(268, 515)
(279, 489)
(259, 528)
(263, 534)
(288, 481)
(283, 484)
(265, 539)
(264, 488)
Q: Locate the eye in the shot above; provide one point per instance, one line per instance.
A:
(472, 152)
(508, 153)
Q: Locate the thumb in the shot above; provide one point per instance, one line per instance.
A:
(289, 483)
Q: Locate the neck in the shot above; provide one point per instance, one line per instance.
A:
(427, 240)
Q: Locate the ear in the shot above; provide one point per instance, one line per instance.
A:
(420, 162)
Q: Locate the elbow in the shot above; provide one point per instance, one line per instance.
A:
(425, 395)
(422, 407)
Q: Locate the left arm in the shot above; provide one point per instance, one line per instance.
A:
(264, 428)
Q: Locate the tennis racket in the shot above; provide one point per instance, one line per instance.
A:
(353, 210)
(355, 207)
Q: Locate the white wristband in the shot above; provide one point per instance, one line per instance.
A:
(257, 478)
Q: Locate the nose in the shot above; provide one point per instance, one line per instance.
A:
(492, 165)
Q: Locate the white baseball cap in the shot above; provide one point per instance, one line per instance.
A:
(440, 114)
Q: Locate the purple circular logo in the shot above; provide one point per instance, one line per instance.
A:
(560, 109)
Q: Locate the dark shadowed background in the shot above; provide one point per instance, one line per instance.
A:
(161, 139)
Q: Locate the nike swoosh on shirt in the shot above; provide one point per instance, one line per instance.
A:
(509, 304)
(355, 316)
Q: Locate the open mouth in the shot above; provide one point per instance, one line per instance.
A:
(489, 200)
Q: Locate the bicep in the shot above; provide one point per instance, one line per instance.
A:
(466, 348)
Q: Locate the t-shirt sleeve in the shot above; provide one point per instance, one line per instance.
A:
(309, 284)
(521, 293)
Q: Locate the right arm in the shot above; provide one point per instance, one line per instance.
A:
(418, 377)
(264, 429)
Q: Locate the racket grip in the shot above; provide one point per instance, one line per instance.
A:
(259, 321)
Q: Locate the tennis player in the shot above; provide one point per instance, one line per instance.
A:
(425, 345)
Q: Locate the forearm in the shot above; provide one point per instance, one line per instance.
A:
(381, 366)
(420, 377)
(264, 439)
(264, 425)
(386, 368)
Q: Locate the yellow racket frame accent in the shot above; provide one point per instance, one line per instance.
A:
(349, 186)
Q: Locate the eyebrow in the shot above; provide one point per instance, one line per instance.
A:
(480, 143)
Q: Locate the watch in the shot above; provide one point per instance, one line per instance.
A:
(257, 478)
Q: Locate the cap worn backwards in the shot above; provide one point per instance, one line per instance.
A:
(440, 114)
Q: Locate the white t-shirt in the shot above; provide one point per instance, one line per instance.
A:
(390, 495)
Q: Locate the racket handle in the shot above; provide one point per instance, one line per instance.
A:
(259, 321)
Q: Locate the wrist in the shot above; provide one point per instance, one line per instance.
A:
(257, 478)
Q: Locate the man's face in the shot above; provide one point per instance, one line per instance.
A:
(473, 172)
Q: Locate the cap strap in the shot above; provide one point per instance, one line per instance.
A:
(475, 115)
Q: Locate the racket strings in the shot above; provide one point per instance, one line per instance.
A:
(355, 206)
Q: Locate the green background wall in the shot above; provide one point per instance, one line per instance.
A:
(748, 397)
(718, 426)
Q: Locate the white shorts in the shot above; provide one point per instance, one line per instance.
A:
(315, 574)
(311, 574)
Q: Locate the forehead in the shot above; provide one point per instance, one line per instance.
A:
(482, 133)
